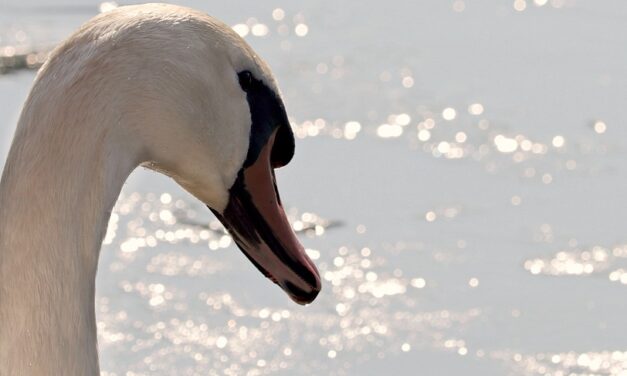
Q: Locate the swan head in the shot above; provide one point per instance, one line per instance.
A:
(254, 214)
(219, 128)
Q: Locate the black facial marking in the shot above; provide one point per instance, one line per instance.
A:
(267, 114)
(247, 225)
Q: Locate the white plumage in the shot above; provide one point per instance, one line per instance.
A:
(153, 84)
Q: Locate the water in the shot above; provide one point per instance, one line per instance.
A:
(471, 155)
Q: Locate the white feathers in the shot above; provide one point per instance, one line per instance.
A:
(153, 84)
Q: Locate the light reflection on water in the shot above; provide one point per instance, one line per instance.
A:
(570, 363)
(451, 137)
(593, 261)
(373, 309)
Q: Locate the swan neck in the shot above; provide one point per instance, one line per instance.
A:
(60, 182)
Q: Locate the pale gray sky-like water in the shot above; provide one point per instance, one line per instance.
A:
(474, 153)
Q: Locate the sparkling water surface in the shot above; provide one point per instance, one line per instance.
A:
(459, 180)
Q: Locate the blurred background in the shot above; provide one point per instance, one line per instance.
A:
(459, 179)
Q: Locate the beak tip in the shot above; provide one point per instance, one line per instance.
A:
(306, 299)
(300, 296)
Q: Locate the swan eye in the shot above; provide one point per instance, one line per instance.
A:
(245, 80)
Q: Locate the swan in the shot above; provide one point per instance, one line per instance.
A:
(156, 85)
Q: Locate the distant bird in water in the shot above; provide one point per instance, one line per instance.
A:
(156, 85)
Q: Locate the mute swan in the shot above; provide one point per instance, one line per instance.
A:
(155, 85)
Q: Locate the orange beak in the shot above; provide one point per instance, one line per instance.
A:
(257, 222)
